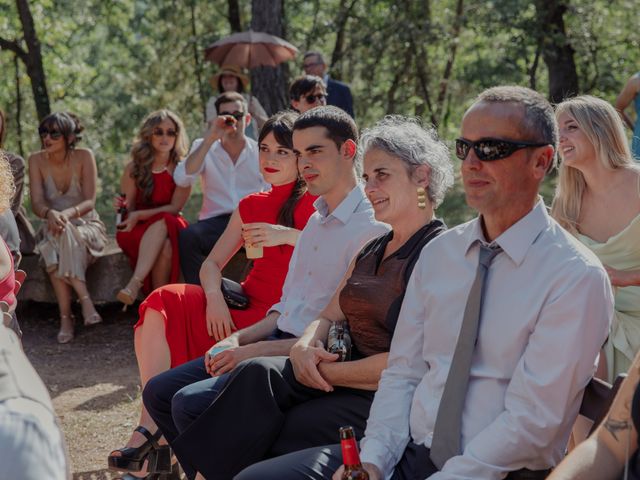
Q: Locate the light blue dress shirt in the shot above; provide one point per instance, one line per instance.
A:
(547, 309)
(324, 251)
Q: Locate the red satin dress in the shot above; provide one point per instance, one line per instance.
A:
(163, 188)
(183, 306)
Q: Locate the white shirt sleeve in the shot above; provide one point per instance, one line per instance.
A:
(180, 173)
(548, 378)
(387, 433)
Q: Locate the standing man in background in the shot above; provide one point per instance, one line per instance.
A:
(338, 93)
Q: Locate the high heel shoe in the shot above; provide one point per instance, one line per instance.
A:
(92, 319)
(65, 336)
(173, 475)
(132, 458)
(129, 294)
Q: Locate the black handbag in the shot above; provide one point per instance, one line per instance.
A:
(339, 340)
(233, 294)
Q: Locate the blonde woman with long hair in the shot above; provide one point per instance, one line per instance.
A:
(598, 200)
(148, 235)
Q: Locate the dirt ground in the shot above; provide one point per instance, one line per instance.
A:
(93, 381)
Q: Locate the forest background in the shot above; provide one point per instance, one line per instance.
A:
(113, 61)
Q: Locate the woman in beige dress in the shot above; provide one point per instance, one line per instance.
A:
(62, 182)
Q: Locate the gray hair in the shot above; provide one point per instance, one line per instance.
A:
(406, 139)
(539, 123)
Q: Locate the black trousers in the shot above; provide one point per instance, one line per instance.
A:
(195, 243)
(321, 462)
(264, 411)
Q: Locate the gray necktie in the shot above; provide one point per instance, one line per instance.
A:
(448, 426)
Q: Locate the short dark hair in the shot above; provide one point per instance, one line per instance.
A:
(228, 97)
(313, 53)
(339, 124)
(304, 84)
(540, 123)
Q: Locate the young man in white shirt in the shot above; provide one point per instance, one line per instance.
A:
(325, 140)
(226, 161)
(488, 361)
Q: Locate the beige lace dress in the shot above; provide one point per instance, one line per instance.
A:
(69, 253)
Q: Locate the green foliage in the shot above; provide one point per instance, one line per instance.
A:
(113, 61)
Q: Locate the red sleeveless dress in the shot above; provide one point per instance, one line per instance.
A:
(183, 306)
(163, 188)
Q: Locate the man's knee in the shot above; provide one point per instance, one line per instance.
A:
(152, 394)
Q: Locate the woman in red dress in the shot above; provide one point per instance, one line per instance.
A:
(180, 322)
(149, 233)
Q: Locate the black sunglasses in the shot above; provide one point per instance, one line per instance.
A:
(158, 132)
(237, 115)
(314, 98)
(53, 134)
(490, 149)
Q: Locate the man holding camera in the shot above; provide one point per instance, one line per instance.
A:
(227, 163)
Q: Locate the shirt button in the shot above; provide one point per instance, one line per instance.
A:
(315, 249)
(309, 273)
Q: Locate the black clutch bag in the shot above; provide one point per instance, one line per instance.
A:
(339, 340)
(233, 294)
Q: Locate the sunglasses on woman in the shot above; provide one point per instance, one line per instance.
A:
(315, 98)
(53, 134)
(490, 149)
(158, 132)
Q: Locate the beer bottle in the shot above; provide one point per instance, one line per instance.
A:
(353, 469)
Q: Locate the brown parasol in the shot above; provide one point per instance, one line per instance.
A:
(250, 49)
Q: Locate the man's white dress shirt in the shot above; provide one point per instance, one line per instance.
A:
(324, 251)
(547, 309)
(223, 182)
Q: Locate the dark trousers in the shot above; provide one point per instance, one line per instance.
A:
(264, 411)
(177, 397)
(320, 463)
(195, 243)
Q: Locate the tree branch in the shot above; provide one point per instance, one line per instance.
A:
(13, 46)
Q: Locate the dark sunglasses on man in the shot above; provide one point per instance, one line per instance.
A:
(53, 134)
(237, 115)
(315, 98)
(158, 132)
(490, 149)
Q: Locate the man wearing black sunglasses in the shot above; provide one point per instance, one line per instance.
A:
(307, 92)
(500, 327)
(226, 161)
(338, 93)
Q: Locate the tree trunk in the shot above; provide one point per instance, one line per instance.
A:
(344, 12)
(33, 61)
(18, 120)
(233, 14)
(269, 84)
(196, 60)
(557, 52)
(448, 69)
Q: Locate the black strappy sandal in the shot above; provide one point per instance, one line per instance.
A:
(132, 459)
(174, 475)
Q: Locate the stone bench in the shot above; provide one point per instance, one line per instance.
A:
(105, 277)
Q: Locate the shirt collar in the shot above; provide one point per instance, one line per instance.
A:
(325, 79)
(345, 209)
(517, 239)
(249, 146)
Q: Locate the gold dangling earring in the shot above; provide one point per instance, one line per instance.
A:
(422, 198)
